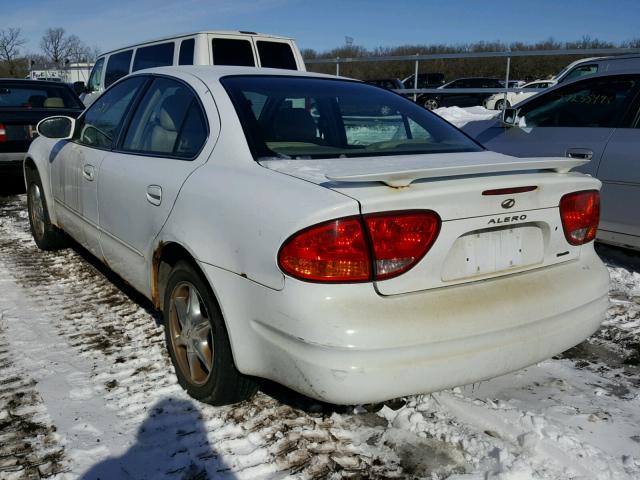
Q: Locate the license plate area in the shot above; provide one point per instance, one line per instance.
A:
(486, 252)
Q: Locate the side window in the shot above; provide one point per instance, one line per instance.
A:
(597, 102)
(232, 52)
(276, 55)
(169, 121)
(95, 79)
(100, 125)
(117, 67)
(160, 55)
(581, 71)
(186, 52)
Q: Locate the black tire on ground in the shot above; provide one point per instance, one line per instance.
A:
(219, 382)
(430, 103)
(46, 235)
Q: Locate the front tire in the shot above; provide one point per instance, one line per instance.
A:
(198, 342)
(500, 104)
(430, 103)
(45, 234)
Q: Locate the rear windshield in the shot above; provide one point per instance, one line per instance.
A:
(36, 96)
(307, 118)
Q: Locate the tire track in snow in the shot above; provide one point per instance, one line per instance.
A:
(29, 446)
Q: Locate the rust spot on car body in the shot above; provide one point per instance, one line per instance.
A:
(155, 269)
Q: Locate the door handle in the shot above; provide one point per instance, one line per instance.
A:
(580, 153)
(89, 172)
(154, 194)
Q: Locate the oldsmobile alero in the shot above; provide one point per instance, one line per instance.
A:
(320, 232)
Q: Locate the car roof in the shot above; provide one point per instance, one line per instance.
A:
(190, 34)
(208, 73)
(27, 81)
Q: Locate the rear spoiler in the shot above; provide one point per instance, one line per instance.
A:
(394, 176)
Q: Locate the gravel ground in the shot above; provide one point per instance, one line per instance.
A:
(87, 391)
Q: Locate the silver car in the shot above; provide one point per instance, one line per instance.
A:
(595, 118)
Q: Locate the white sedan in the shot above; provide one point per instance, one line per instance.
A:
(497, 100)
(320, 232)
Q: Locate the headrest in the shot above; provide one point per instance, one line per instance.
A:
(172, 111)
(53, 102)
(294, 124)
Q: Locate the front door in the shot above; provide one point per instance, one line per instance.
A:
(96, 133)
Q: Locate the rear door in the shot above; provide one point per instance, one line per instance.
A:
(165, 141)
(574, 120)
(620, 174)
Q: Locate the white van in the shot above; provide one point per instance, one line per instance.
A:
(199, 48)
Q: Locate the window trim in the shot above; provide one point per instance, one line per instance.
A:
(118, 148)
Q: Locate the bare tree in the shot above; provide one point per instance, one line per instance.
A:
(59, 47)
(11, 40)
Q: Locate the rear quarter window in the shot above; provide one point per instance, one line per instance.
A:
(117, 67)
(160, 55)
(276, 55)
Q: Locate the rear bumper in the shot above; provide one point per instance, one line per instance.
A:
(11, 161)
(345, 344)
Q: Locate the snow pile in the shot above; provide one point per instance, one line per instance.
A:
(461, 116)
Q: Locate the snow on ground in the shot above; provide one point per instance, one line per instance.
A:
(87, 391)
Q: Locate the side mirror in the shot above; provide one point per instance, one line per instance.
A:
(57, 127)
(510, 117)
(79, 87)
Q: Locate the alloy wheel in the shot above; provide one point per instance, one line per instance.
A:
(191, 334)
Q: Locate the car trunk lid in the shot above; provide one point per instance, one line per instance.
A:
(488, 229)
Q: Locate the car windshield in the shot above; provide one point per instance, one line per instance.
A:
(307, 118)
(33, 95)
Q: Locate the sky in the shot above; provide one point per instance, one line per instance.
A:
(324, 24)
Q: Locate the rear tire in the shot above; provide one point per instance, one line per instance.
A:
(198, 342)
(46, 235)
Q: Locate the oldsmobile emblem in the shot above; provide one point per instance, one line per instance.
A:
(508, 203)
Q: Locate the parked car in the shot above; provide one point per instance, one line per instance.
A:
(425, 80)
(513, 83)
(200, 48)
(497, 101)
(432, 101)
(23, 103)
(596, 118)
(591, 66)
(320, 232)
(388, 83)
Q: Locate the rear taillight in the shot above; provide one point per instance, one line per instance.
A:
(3, 133)
(343, 251)
(400, 240)
(580, 214)
(334, 251)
